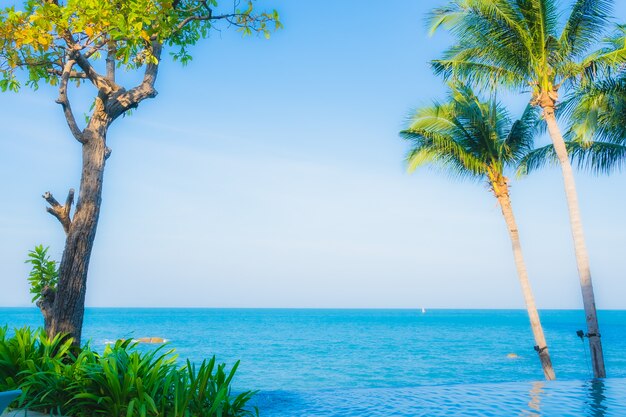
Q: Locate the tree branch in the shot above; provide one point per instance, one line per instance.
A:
(62, 213)
(74, 75)
(110, 61)
(208, 17)
(75, 54)
(82, 60)
(131, 98)
(103, 84)
(95, 48)
(65, 103)
(194, 18)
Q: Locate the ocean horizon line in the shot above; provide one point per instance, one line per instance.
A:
(318, 308)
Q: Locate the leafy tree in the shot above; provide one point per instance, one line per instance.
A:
(472, 139)
(517, 44)
(64, 44)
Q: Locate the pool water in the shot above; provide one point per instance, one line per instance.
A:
(592, 398)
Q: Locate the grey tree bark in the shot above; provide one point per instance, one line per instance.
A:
(541, 347)
(69, 305)
(63, 309)
(582, 258)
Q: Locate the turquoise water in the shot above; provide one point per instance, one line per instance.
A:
(305, 357)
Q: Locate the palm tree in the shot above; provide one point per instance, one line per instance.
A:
(597, 133)
(517, 44)
(596, 110)
(470, 138)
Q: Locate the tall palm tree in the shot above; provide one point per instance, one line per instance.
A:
(470, 138)
(517, 44)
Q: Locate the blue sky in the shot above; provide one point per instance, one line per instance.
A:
(270, 174)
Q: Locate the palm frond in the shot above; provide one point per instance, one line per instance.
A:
(536, 159)
(593, 157)
(597, 157)
(440, 150)
(481, 74)
(417, 157)
(492, 46)
(435, 129)
(464, 136)
(521, 137)
(447, 17)
(540, 18)
(497, 20)
(516, 42)
(597, 111)
(487, 18)
(612, 55)
(442, 158)
(585, 26)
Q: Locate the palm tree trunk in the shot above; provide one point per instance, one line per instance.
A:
(582, 258)
(540, 341)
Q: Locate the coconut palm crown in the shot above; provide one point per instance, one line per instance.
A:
(521, 44)
(469, 138)
(596, 112)
(473, 139)
(517, 43)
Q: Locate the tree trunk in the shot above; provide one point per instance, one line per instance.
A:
(541, 346)
(582, 258)
(69, 302)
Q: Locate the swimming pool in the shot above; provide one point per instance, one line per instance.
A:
(593, 398)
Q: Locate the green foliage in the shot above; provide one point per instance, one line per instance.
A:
(205, 390)
(519, 43)
(27, 349)
(595, 157)
(613, 53)
(468, 137)
(120, 382)
(597, 110)
(44, 272)
(38, 37)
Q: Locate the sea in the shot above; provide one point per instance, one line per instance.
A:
(350, 363)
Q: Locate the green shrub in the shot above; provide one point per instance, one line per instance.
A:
(27, 350)
(120, 382)
(44, 273)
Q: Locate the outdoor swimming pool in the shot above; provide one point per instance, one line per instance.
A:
(594, 398)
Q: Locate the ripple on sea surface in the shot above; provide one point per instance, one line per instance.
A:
(595, 398)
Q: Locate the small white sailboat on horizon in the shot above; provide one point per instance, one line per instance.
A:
(423, 310)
